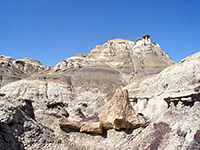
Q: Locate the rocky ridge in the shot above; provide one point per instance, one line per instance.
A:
(13, 70)
(78, 91)
(131, 59)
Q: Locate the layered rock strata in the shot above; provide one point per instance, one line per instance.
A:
(134, 60)
(13, 70)
(79, 92)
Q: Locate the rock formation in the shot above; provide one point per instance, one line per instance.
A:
(162, 113)
(12, 70)
(29, 66)
(120, 114)
(19, 131)
(132, 59)
(171, 96)
(92, 127)
(8, 71)
(64, 122)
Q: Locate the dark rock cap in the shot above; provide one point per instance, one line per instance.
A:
(146, 35)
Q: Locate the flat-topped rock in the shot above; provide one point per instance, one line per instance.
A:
(146, 36)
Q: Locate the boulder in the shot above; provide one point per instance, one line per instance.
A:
(120, 114)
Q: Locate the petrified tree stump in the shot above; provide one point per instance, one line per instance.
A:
(65, 122)
(92, 127)
(120, 114)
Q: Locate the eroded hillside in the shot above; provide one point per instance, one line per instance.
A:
(162, 93)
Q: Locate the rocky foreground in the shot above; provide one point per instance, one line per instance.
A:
(122, 95)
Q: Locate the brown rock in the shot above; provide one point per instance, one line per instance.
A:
(146, 36)
(120, 114)
(65, 122)
(64, 112)
(2, 94)
(92, 127)
(52, 102)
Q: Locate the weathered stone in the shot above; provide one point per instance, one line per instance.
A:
(19, 131)
(13, 70)
(64, 112)
(8, 71)
(88, 82)
(26, 106)
(65, 122)
(197, 137)
(2, 95)
(52, 103)
(181, 133)
(132, 59)
(120, 114)
(92, 127)
(93, 118)
(187, 99)
(195, 144)
(146, 36)
(29, 66)
(160, 130)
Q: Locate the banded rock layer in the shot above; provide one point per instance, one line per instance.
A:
(81, 88)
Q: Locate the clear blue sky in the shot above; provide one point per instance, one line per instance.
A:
(53, 30)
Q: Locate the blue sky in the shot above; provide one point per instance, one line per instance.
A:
(53, 30)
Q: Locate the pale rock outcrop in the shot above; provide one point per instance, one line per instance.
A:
(29, 66)
(74, 62)
(120, 114)
(92, 85)
(84, 84)
(173, 103)
(132, 59)
(19, 131)
(13, 70)
(8, 71)
(182, 78)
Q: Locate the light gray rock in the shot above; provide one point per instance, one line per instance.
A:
(83, 85)
(8, 71)
(173, 105)
(174, 81)
(13, 70)
(134, 60)
(29, 66)
(19, 131)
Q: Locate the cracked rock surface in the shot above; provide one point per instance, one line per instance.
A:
(165, 94)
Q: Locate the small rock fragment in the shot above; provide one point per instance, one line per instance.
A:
(64, 111)
(92, 127)
(197, 137)
(65, 122)
(2, 94)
